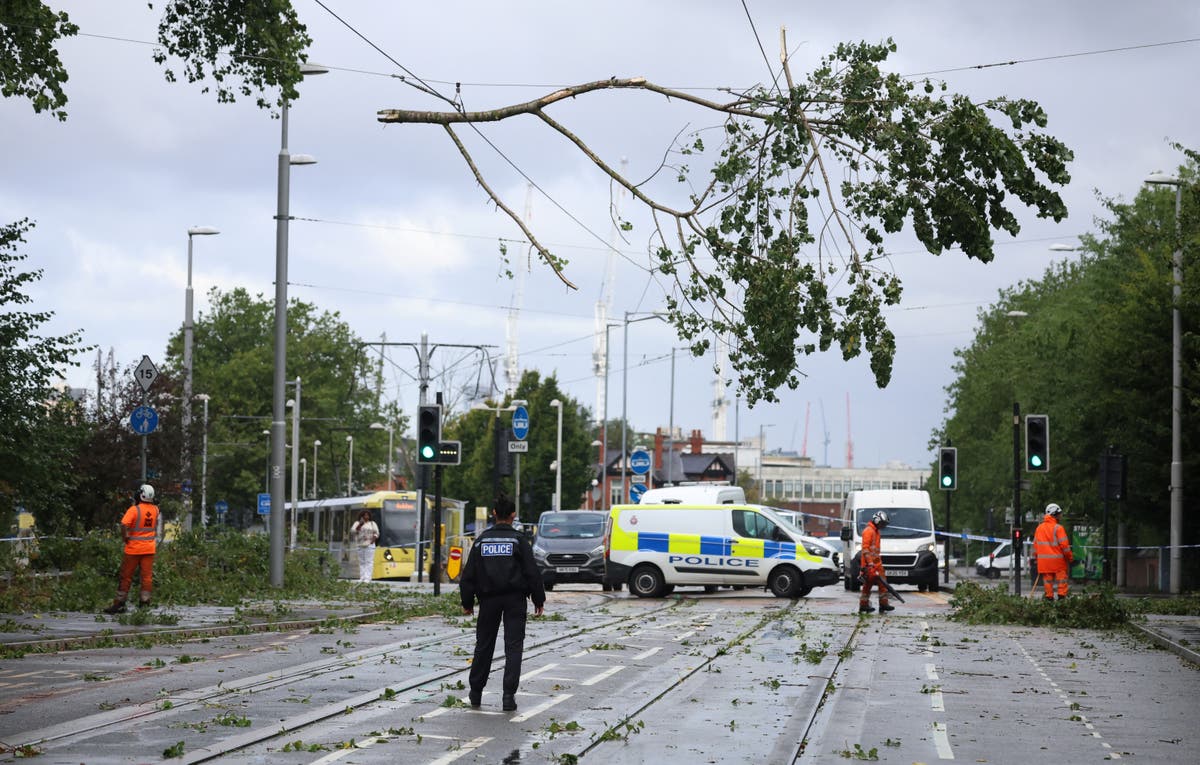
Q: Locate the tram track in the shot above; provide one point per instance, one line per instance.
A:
(164, 711)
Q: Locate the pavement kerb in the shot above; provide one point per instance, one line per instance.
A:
(1166, 642)
(108, 638)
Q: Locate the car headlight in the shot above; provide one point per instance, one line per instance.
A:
(931, 547)
(597, 550)
(816, 550)
(539, 552)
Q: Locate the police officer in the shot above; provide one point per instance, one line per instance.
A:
(501, 573)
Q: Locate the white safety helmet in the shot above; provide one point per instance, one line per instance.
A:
(146, 493)
(881, 518)
(1053, 509)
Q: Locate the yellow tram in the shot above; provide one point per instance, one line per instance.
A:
(395, 512)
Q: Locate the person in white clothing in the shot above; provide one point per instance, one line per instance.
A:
(365, 534)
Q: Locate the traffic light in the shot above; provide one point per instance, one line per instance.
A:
(1037, 443)
(948, 468)
(429, 433)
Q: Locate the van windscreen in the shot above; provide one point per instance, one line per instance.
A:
(564, 526)
(905, 523)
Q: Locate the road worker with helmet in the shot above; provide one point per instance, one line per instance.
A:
(871, 565)
(1053, 552)
(139, 526)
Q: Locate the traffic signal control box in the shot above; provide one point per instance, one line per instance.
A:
(429, 433)
(948, 468)
(1037, 443)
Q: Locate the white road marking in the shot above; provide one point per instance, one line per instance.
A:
(606, 673)
(931, 671)
(684, 636)
(542, 707)
(936, 701)
(647, 654)
(941, 741)
(538, 671)
(466, 748)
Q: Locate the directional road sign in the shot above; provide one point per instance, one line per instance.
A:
(146, 373)
(636, 491)
(639, 461)
(143, 420)
(520, 423)
(221, 506)
(264, 504)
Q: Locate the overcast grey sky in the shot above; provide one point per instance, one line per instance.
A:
(394, 234)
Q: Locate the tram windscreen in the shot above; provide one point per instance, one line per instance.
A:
(400, 523)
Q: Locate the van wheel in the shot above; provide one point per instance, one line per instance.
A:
(606, 587)
(852, 582)
(785, 582)
(646, 581)
(922, 587)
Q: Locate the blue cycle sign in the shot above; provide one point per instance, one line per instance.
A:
(222, 506)
(639, 461)
(264, 504)
(143, 420)
(520, 423)
(636, 491)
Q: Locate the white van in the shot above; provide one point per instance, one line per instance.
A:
(654, 548)
(695, 494)
(907, 544)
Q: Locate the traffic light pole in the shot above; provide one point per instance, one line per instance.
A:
(436, 573)
(946, 572)
(1016, 529)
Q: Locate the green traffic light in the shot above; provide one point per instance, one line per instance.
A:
(427, 452)
(1035, 460)
(947, 480)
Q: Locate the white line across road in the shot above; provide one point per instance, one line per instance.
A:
(535, 711)
(941, 741)
(603, 675)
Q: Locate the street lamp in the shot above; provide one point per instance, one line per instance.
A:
(625, 392)
(304, 476)
(1162, 179)
(267, 476)
(282, 216)
(558, 458)
(762, 443)
(316, 443)
(350, 468)
(187, 374)
(204, 463)
(390, 454)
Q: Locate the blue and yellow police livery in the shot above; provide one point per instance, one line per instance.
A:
(654, 548)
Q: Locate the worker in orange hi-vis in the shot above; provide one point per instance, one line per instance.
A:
(1053, 551)
(140, 528)
(871, 565)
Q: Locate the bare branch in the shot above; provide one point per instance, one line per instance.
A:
(547, 257)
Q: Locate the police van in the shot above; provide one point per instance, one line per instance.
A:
(695, 494)
(907, 544)
(655, 548)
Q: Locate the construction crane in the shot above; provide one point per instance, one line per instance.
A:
(604, 306)
(512, 368)
(849, 440)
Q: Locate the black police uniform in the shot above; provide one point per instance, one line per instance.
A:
(501, 573)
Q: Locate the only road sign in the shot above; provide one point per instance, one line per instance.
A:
(520, 423)
(520, 447)
(639, 461)
(143, 420)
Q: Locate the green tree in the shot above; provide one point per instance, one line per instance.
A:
(473, 480)
(39, 427)
(1093, 351)
(233, 363)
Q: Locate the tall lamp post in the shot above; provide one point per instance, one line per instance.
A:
(294, 404)
(188, 329)
(1163, 179)
(316, 444)
(203, 397)
(350, 468)
(625, 393)
(278, 396)
(558, 458)
(762, 444)
(304, 476)
(390, 454)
